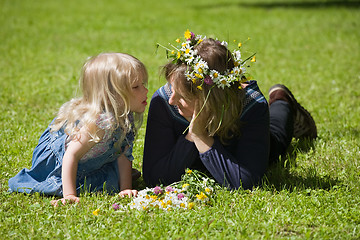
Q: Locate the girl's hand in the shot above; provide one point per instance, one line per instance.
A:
(128, 192)
(68, 199)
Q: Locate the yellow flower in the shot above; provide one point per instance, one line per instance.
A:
(96, 212)
(253, 59)
(178, 55)
(200, 40)
(199, 87)
(187, 34)
(173, 52)
(189, 171)
(185, 185)
(198, 75)
(191, 205)
(239, 44)
(201, 196)
(207, 190)
(169, 202)
(187, 51)
(215, 75)
(182, 205)
(178, 40)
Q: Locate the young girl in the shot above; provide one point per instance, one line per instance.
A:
(89, 144)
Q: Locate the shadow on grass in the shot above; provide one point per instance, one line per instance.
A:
(290, 4)
(280, 176)
(139, 184)
(303, 4)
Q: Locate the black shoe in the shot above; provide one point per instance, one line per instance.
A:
(304, 124)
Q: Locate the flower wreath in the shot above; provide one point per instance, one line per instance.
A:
(198, 68)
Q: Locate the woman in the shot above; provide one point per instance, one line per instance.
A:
(210, 117)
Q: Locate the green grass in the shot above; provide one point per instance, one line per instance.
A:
(311, 46)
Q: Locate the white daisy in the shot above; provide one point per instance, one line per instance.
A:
(223, 82)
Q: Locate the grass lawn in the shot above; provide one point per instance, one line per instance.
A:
(312, 46)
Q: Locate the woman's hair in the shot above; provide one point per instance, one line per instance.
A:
(106, 83)
(221, 107)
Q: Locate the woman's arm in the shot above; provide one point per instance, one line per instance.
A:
(243, 161)
(166, 152)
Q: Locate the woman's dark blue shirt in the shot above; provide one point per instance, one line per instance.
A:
(241, 163)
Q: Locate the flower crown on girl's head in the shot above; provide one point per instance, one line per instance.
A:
(199, 71)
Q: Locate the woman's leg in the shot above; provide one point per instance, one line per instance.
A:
(281, 128)
(288, 119)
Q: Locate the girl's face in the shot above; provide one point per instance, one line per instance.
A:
(138, 97)
(186, 108)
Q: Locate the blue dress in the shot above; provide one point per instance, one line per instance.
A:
(97, 173)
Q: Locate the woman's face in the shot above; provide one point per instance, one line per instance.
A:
(186, 108)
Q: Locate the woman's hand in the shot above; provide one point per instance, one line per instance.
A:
(197, 131)
(197, 122)
(128, 192)
(65, 200)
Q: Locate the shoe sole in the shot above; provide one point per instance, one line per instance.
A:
(299, 132)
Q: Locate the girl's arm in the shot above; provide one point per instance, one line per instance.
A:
(125, 178)
(74, 152)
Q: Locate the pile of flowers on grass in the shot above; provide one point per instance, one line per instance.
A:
(194, 190)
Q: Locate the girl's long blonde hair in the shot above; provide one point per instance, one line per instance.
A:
(221, 108)
(106, 83)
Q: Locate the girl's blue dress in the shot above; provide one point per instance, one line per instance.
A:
(97, 173)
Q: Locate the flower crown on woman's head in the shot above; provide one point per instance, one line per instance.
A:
(199, 70)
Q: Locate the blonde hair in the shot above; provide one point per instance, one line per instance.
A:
(106, 83)
(222, 108)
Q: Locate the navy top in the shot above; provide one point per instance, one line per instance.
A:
(241, 163)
